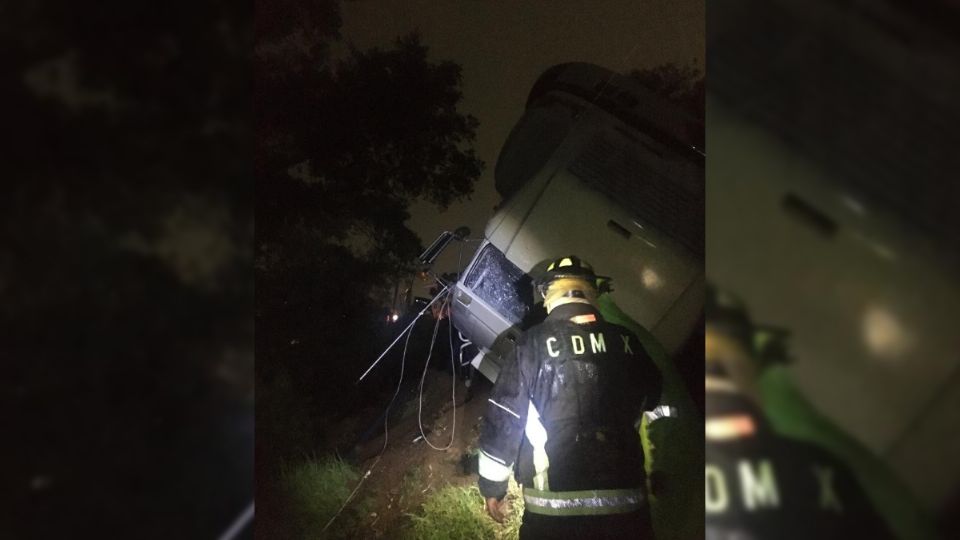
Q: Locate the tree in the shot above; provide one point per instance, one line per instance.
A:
(344, 145)
(683, 85)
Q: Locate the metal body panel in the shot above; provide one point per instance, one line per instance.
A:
(872, 303)
(628, 201)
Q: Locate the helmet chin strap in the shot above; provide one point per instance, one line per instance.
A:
(568, 291)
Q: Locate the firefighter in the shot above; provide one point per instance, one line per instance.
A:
(758, 483)
(563, 417)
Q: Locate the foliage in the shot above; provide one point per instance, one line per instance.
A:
(275, 399)
(344, 146)
(410, 487)
(453, 512)
(683, 85)
(458, 512)
(313, 491)
(343, 151)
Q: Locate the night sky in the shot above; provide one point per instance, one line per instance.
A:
(504, 47)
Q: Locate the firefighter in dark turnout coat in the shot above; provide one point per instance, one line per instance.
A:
(760, 484)
(563, 416)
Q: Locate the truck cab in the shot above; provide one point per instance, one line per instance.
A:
(600, 167)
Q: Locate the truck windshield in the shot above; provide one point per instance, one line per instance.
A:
(500, 284)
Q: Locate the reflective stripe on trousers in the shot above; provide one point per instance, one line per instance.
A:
(595, 502)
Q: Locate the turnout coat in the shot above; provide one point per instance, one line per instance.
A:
(564, 415)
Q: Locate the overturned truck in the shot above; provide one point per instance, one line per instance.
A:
(601, 167)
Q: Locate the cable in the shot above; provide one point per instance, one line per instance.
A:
(459, 261)
(346, 502)
(423, 378)
(386, 419)
(444, 293)
(450, 312)
(409, 326)
(453, 376)
(386, 416)
(453, 370)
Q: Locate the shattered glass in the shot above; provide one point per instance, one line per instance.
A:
(502, 285)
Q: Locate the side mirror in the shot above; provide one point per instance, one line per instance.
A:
(436, 248)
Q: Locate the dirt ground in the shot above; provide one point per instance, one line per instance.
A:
(409, 470)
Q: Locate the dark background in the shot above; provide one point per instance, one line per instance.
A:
(126, 279)
(128, 253)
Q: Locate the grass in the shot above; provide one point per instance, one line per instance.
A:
(314, 490)
(458, 512)
(410, 488)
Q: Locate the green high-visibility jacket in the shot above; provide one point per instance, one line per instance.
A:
(673, 444)
(792, 415)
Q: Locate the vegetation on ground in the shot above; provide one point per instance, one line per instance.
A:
(458, 512)
(314, 491)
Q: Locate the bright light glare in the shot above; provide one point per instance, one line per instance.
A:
(395, 317)
(884, 335)
(650, 278)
